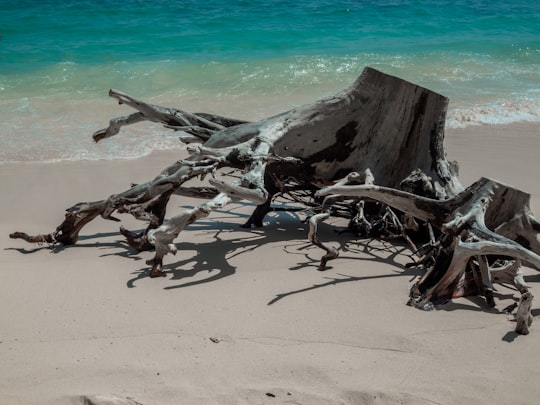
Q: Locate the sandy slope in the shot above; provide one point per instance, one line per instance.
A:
(243, 317)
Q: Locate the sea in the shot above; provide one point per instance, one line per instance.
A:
(249, 60)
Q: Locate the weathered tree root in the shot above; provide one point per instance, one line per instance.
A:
(200, 125)
(524, 318)
(146, 201)
(509, 272)
(331, 252)
(463, 220)
(393, 128)
(67, 233)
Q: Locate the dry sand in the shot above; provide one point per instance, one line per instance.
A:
(244, 317)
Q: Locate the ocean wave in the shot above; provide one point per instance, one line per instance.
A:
(494, 113)
(49, 115)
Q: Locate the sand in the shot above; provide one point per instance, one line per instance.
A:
(244, 317)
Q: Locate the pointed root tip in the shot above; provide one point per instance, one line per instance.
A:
(490, 300)
(154, 273)
(331, 255)
(137, 241)
(99, 135)
(33, 239)
(157, 268)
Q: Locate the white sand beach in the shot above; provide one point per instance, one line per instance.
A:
(243, 316)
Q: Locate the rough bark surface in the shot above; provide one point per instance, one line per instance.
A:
(386, 128)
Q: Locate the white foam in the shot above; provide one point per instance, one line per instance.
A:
(58, 123)
(494, 113)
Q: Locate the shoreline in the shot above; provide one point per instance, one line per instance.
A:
(522, 128)
(244, 313)
(53, 129)
(466, 145)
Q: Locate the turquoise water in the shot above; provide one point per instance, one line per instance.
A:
(249, 60)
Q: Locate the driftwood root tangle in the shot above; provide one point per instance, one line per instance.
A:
(373, 153)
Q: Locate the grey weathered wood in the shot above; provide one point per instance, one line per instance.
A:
(381, 125)
(524, 318)
(486, 219)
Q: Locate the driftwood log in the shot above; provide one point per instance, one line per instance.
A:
(373, 153)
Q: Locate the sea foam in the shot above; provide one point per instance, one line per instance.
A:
(248, 60)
